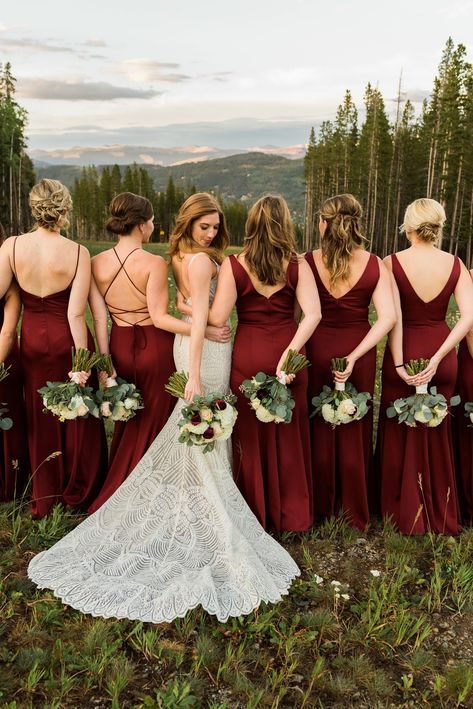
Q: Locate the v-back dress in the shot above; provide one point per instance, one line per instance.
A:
(342, 456)
(177, 534)
(418, 488)
(142, 355)
(68, 459)
(271, 461)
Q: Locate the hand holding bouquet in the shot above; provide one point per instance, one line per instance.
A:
(206, 419)
(343, 403)
(118, 400)
(269, 396)
(70, 400)
(5, 422)
(424, 407)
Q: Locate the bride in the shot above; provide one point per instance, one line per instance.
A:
(177, 533)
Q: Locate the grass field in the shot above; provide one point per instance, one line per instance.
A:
(395, 630)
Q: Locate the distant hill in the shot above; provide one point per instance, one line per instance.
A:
(246, 176)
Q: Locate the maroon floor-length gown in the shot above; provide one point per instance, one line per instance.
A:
(141, 354)
(418, 489)
(342, 456)
(271, 461)
(75, 474)
(464, 435)
(14, 460)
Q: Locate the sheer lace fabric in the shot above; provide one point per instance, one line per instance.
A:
(175, 535)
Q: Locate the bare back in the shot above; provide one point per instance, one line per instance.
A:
(427, 269)
(358, 263)
(180, 269)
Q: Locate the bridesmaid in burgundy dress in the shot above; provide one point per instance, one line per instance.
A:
(418, 489)
(271, 462)
(14, 463)
(348, 279)
(464, 432)
(132, 286)
(67, 459)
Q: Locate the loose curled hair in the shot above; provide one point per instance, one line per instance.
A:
(269, 239)
(50, 201)
(127, 210)
(426, 217)
(343, 234)
(195, 207)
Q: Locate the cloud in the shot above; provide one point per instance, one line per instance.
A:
(95, 43)
(147, 70)
(35, 45)
(68, 90)
(412, 95)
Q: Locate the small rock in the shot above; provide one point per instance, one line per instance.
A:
(361, 541)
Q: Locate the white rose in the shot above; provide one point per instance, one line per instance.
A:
(206, 414)
(68, 414)
(218, 429)
(328, 413)
(435, 421)
(106, 409)
(227, 416)
(420, 415)
(264, 415)
(347, 407)
(255, 403)
(226, 433)
(78, 405)
(129, 403)
(440, 412)
(341, 417)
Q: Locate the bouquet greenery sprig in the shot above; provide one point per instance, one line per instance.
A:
(118, 400)
(5, 422)
(342, 404)
(69, 400)
(207, 419)
(469, 412)
(425, 407)
(269, 396)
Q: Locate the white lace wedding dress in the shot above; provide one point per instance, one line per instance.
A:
(177, 533)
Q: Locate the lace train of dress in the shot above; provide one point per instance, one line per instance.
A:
(175, 535)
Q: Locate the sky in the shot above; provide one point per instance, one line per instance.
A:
(184, 72)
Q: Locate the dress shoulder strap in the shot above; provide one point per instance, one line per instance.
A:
(199, 253)
(14, 262)
(77, 266)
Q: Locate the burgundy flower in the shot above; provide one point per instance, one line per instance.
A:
(195, 420)
(208, 433)
(220, 404)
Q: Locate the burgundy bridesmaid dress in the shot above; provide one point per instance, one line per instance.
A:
(342, 456)
(141, 354)
(68, 459)
(418, 489)
(14, 461)
(464, 435)
(271, 461)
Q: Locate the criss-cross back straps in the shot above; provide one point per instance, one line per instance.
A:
(115, 311)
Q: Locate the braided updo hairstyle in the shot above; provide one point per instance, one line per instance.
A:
(426, 217)
(342, 236)
(50, 201)
(127, 210)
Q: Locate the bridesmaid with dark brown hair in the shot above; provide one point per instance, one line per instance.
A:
(69, 459)
(348, 279)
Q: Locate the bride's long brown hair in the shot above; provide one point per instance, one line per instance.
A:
(343, 234)
(195, 207)
(269, 239)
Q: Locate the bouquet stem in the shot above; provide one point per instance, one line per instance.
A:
(176, 385)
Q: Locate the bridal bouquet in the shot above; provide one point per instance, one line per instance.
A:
(269, 396)
(469, 412)
(118, 400)
(425, 407)
(343, 403)
(5, 422)
(206, 419)
(70, 400)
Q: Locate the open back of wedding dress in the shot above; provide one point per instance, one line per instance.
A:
(177, 533)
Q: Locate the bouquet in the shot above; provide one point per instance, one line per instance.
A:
(269, 396)
(425, 407)
(69, 400)
(343, 403)
(5, 422)
(118, 400)
(469, 412)
(206, 419)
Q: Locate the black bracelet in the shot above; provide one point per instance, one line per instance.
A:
(396, 366)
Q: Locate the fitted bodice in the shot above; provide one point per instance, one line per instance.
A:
(54, 304)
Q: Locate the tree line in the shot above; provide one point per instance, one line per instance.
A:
(386, 164)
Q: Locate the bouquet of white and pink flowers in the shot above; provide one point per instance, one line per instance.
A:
(5, 422)
(207, 419)
(342, 404)
(70, 400)
(118, 400)
(269, 396)
(425, 407)
(469, 412)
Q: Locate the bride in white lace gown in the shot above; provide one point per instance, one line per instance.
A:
(177, 533)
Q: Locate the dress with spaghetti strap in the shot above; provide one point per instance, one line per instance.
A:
(14, 460)
(177, 533)
(464, 435)
(271, 462)
(142, 355)
(68, 459)
(418, 488)
(342, 456)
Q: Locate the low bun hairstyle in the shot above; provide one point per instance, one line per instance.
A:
(344, 234)
(127, 210)
(426, 217)
(50, 201)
